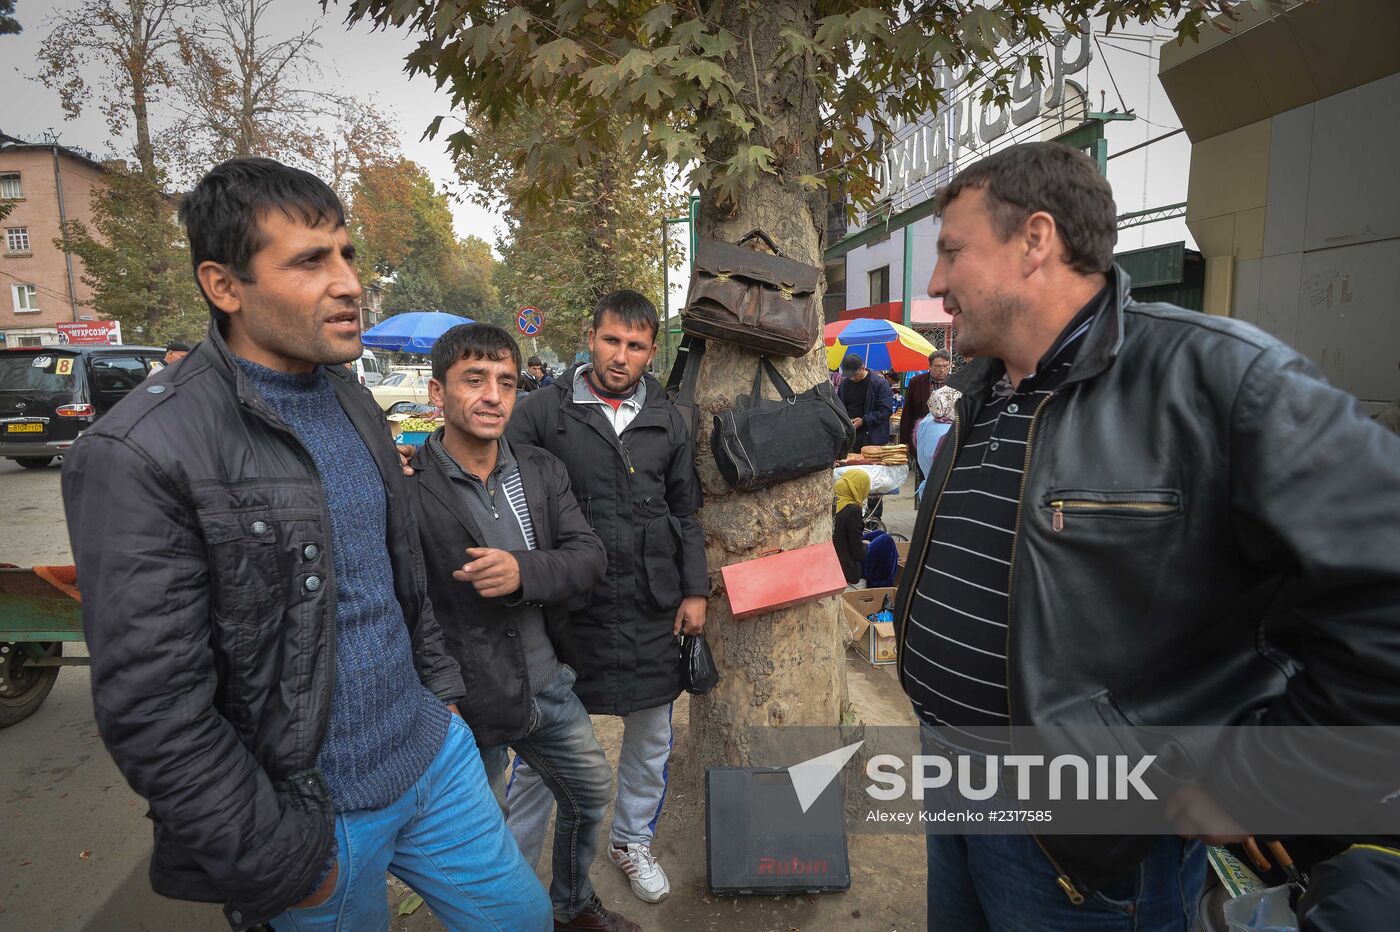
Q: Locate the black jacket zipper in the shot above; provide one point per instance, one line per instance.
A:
(1061, 876)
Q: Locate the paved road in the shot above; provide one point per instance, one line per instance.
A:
(60, 794)
(77, 841)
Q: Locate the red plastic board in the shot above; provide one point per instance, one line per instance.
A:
(782, 580)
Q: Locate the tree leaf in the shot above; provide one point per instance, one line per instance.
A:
(409, 905)
(656, 21)
(703, 71)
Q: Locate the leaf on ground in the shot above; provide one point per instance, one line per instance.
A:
(87, 853)
(409, 905)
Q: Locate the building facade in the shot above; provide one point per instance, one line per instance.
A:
(1099, 92)
(41, 285)
(1294, 119)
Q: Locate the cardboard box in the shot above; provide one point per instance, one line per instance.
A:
(873, 640)
(783, 579)
(902, 548)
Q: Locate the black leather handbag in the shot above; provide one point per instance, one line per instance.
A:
(758, 443)
(699, 674)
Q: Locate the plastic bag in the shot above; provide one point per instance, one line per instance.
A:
(1265, 911)
(699, 674)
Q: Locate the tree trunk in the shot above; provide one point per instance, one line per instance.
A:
(139, 65)
(245, 143)
(785, 668)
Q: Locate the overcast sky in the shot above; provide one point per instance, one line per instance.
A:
(355, 61)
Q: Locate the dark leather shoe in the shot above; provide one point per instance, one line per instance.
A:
(596, 917)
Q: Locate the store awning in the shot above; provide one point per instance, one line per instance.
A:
(925, 312)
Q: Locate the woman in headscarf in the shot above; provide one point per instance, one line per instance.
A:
(852, 489)
(933, 428)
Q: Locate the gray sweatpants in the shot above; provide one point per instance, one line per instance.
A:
(641, 787)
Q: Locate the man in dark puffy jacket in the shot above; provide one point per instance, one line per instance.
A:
(632, 465)
(506, 546)
(266, 667)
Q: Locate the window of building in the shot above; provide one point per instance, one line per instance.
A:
(26, 298)
(880, 285)
(9, 185)
(31, 341)
(17, 239)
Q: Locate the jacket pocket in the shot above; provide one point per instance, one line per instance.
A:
(1070, 505)
(660, 550)
(1177, 750)
(261, 538)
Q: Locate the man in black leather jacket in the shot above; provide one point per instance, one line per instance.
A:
(1128, 490)
(266, 668)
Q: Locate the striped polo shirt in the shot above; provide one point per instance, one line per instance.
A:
(957, 637)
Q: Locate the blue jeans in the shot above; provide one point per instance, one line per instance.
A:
(563, 750)
(446, 839)
(1005, 883)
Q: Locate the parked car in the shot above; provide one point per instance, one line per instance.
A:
(51, 394)
(406, 383)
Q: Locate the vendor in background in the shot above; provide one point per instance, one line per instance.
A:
(867, 401)
(940, 365)
(852, 489)
(893, 379)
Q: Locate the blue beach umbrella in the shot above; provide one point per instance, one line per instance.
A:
(411, 332)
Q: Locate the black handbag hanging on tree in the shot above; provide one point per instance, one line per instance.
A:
(758, 443)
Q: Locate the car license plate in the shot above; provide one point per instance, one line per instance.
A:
(34, 428)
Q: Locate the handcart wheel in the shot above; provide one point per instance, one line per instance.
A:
(23, 689)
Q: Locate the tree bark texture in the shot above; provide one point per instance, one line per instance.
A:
(785, 668)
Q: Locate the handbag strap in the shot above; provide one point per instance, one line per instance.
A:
(685, 369)
(785, 392)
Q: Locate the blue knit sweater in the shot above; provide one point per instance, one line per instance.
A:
(385, 727)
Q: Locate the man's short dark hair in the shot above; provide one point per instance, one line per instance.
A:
(177, 346)
(223, 213)
(473, 341)
(940, 354)
(633, 309)
(1051, 177)
(534, 361)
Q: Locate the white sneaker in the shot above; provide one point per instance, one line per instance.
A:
(649, 881)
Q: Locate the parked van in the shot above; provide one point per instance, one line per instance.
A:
(369, 369)
(51, 394)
